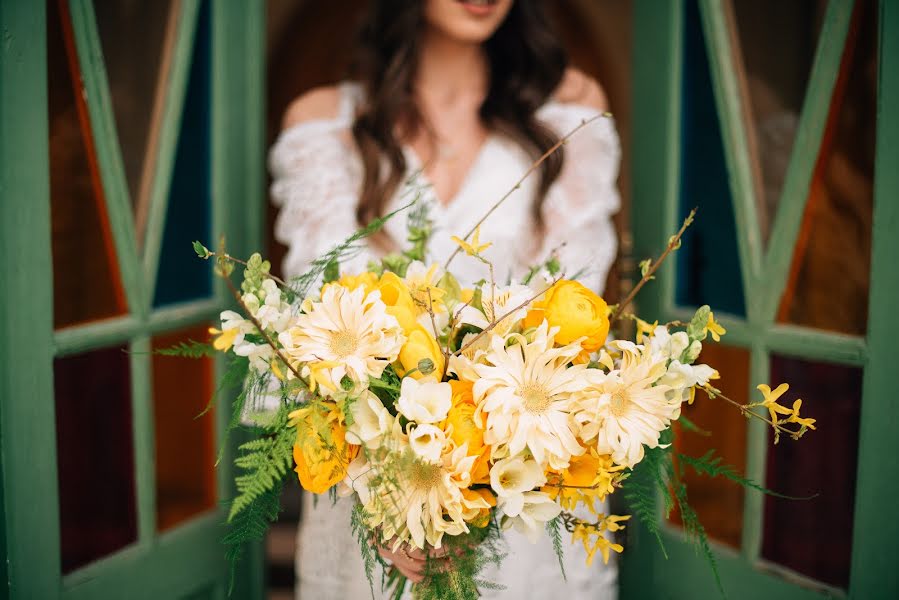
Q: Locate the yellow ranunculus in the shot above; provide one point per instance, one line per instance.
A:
(367, 280)
(465, 429)
(321, 450)
(576, 311)
(395, 294)
(420, 345)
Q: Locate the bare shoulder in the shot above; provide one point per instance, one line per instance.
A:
(317, 104)
(579, 88)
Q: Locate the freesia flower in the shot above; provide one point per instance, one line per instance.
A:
(370, 421)
(427, 401)
(427, 442)
(531, 515)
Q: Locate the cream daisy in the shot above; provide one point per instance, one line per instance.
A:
(526, 393)
(349, 330)
(623, 410)
(423, 501)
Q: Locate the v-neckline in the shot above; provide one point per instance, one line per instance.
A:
(419, 166)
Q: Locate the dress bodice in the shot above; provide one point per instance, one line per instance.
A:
(317, 176)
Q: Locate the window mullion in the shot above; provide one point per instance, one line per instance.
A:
(804, 156)
(108, 152)
(756, 457)
(178, 69)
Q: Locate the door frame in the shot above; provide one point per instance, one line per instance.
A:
(658, 48)
(157, 565)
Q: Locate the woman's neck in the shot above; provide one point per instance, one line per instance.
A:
(450, 71)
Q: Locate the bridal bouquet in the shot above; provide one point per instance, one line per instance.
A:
(451, 412)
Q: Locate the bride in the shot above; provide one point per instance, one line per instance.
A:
(463, 95)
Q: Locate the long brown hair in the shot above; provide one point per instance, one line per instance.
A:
(526, 63)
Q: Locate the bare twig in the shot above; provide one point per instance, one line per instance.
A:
(497, 322)
(673, 244)
(527, 174)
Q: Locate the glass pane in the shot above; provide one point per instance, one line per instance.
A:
(830, 276)
(814, 537)
(182, 276)
(95, 455)
(708, 265)
(777, 42)
(86, 284)
(718, 502)
(185, 442)
(137, 38)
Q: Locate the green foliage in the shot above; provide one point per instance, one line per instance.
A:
(201, 250)
(347, 249)
(692, 526)
(266, 461)
(364, 537)
(331, 272)
(468, 555)
(696, 329)
(710, 465)
(554, 531)
(250, 525)
(189, 349)
(256, 271)
(643, 489)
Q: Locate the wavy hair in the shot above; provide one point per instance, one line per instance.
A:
(526, 62)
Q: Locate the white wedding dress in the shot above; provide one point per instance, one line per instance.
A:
(317, 175)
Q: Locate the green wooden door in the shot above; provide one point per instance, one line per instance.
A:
(774, 118)
(128, 130)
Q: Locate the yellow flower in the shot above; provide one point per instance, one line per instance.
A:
(319, 374)
(714, 328)
(589, 478)
(366, 280)
(466, 296)
(464, 429)
(321, 451)
(576, 311)
(771, 398)
(645, 329)
(475, 247)
(396, 295)
(225, 339)
(591, 536)
(478, 517)
(420, 345)
(794, 418)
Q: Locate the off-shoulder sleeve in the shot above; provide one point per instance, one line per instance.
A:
(315, 184)
(577, 212)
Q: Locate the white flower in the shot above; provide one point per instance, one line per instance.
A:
(531, 516)
(664, 344)
(425, 401)
(623, 410)
(260, 355)
(681, 379)
(526, 392)
(511, 477)
(420, 504)
(497, 303)
(427, 442)
(275, 313)
(370, 421)
(349, 331)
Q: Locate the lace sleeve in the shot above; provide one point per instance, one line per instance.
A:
(578, 207)
(315, 184)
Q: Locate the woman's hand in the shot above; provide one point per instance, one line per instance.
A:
(411, 561)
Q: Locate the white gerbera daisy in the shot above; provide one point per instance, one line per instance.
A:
(626, 409)
(526, 392)
(346, 333)
(420, 503)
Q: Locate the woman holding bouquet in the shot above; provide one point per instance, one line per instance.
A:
(457, 98)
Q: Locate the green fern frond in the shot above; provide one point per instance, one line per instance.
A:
(643, 488)
(189, 349)
(710, 465)
(347, 249)
(554, 530)
(250, 525)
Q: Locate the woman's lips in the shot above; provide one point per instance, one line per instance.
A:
(478, 7)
